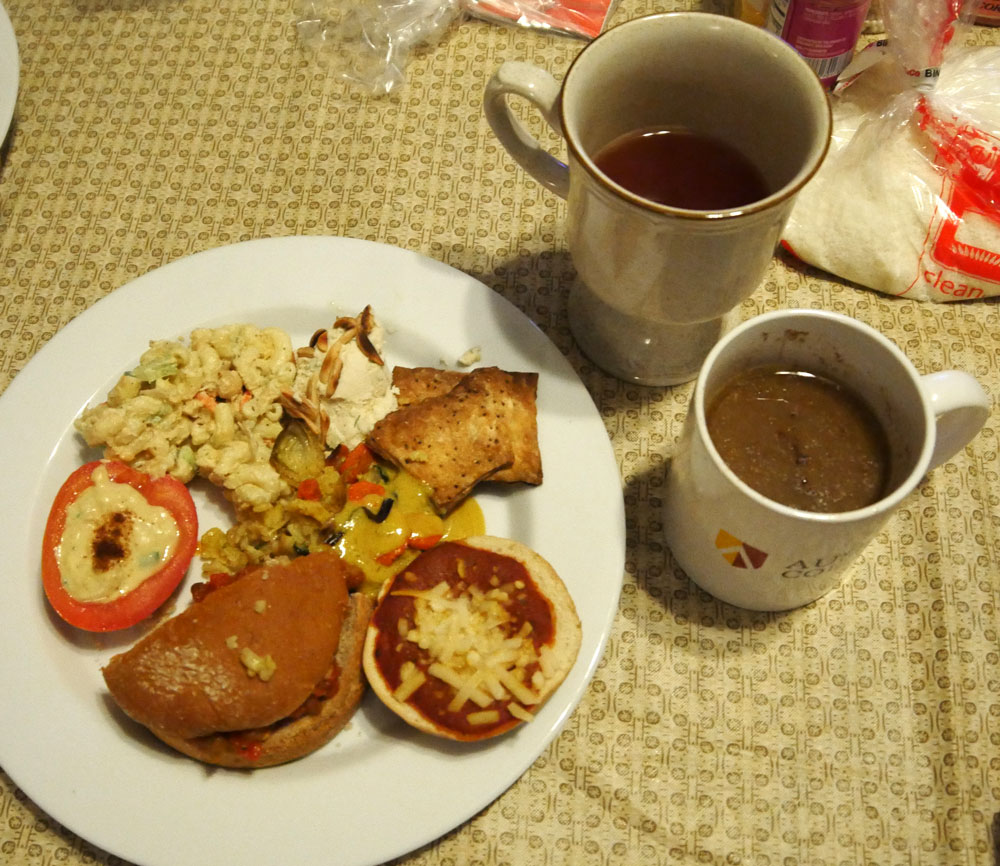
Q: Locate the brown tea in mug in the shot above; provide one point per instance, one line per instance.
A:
(681, 168)
(800, 439)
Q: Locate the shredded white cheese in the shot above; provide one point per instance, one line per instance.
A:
(467, 633)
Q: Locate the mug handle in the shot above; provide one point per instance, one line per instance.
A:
(960, 407)
(542, 90)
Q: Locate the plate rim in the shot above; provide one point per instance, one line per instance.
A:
(10, 70)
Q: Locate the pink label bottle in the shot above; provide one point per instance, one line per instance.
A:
(824, 32)
(987, 12)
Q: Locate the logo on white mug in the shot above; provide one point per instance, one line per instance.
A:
(738, 553)
(815, 568)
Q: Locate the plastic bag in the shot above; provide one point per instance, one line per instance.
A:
(908, 199)
(369, 42)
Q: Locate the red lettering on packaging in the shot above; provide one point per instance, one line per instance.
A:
(970, 162)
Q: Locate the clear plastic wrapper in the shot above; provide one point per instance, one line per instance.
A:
(370, 42)
(907, 200)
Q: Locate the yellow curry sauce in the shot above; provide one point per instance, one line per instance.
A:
(379, 532)
(379, 548)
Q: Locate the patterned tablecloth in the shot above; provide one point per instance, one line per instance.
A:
(864, 728)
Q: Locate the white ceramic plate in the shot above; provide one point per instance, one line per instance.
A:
(379, 790)
(10, 68)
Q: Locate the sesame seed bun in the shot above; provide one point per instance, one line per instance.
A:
(286, 741)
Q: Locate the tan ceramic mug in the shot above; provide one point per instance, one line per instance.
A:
(657, 281)
(754, 552)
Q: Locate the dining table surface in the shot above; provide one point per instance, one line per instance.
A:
(863, 728)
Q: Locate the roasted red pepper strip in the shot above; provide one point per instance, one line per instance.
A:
(390, 556)
(356, 463)
(336, 457)
(141, 602)
(309, 489)
(414, 542)
(423, 542)
(360, 489)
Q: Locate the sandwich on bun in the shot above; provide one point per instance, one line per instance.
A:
(260, 671)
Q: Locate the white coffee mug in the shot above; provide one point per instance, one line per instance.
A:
(756, 553)
(656, 282)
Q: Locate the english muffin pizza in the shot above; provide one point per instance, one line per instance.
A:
(471, 638)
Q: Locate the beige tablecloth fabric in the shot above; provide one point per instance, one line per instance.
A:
(864, 728)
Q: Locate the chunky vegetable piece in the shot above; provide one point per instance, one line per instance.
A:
(298, 453)
(117, 543)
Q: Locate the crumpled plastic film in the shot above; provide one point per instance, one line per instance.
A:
(919, 31)
(907, 201)
(370, 42)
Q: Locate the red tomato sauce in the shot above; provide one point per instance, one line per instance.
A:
(479, 568)
(251, 741)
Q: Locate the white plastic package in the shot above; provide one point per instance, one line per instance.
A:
(907, 200)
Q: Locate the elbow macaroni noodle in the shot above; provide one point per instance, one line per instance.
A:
(207, 408)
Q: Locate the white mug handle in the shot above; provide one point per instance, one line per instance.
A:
(542, 90)
(960, 407)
